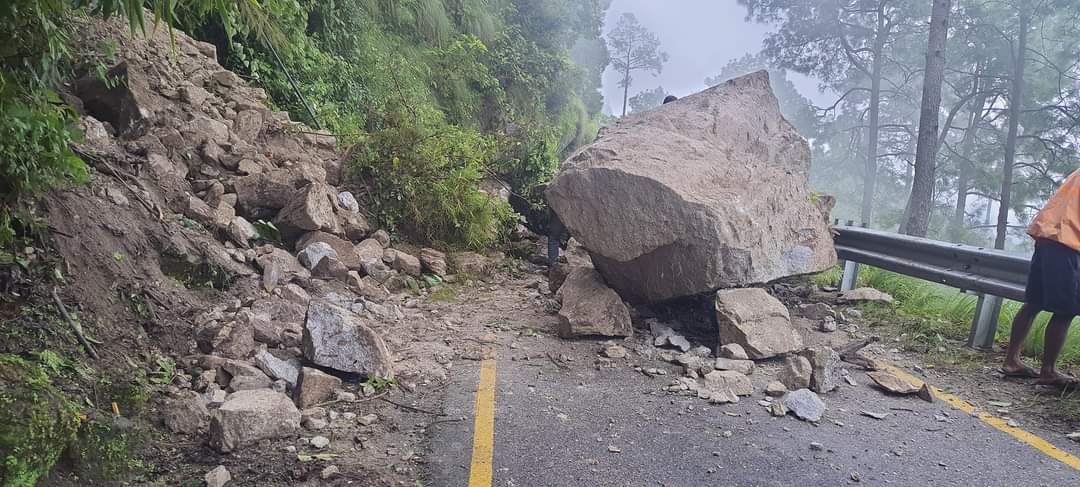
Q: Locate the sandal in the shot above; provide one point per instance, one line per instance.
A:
(1024, 373)
(1065, 383)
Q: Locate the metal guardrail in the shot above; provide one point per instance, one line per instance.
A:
(991, 273)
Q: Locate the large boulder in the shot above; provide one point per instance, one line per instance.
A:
(589, 307)
(337, 338)
(311, 208)
(704, 193)
(249, 416)
(756, 321)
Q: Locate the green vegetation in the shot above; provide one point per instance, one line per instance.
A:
(931, 312)
(39, 422)
(433, 96)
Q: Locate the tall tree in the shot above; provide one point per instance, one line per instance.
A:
(839, 41)
(634, 48)
(1016, 108)
(922, 189)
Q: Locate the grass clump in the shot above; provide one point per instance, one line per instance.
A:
(929, 310)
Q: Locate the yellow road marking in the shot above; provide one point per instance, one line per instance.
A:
(1029, 438)
(484, 427)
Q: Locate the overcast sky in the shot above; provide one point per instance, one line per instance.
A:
(700, 37)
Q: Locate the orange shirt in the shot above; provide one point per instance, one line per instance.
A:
(1059, 220)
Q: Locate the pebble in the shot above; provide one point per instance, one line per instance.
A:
(320, 442)
(217, 477)
(727, 434)
(329, 472)
(614, 449)
(815, 446)
(368, 419)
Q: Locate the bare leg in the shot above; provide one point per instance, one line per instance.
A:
(1056, 332)
(1020, 328)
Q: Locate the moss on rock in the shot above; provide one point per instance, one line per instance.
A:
(39, 422)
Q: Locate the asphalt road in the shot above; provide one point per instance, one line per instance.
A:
(613, 426)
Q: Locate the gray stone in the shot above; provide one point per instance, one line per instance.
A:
(347, 201)
(865, 295)
(248, 125)
(369, 252)
(796, 372)
(382, 237)
(731, 380)
(320, 442)
(313, 254)
(775, 389)
(708, 192)
(314, 387)
(311, 208)
(276, 368)
(756, 321)
(367, 287)
(406, 263)
(247, 417)
(817, 311)
(343, 249)
(745, 367)
(337, 338)
(217, 477)
(589, 307)
(733, 351)
(331, 268)
(804, 404)
(827, 371)
(186, 414)
(663, 335)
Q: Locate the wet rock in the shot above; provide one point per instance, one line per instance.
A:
(704, 193)
(796, 372)
(589, 307)
(804, 404)
(745, 367)
(757, 322)
(827, 371)
(283, 369)
(217, 477)
(733, 351)
(335, 337)
(310, 209)
(247, 417)
(433, 261)
(735, 382)
(315, 387)
(186, 414)
(865, 295)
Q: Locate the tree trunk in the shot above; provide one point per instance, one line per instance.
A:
(920, 201)
(626, 76)
(870, 168)
(1016, 101)
(965, 168)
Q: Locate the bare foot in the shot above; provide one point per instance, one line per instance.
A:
(1059, 380)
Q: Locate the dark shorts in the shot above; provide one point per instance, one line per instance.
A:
(1054, 280)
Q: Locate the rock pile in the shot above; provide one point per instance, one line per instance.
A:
(268, 192)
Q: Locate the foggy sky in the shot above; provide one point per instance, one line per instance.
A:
(700, 37)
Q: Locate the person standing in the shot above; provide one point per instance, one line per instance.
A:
(1053, 285)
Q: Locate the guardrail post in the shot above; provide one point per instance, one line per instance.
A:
(984, 326)
(851, 271)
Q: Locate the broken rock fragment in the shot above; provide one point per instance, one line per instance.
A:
(589, 307)
(865, 295)
(337, 338)
(796, 372)
(757, 322)
(730, 380)
(708, 192)
(249, 416)
(314, 387)
(826, 369)
(804, 404)
(891, 383)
